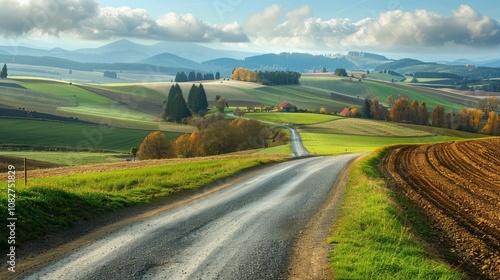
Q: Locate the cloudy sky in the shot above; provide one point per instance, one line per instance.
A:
(424, 29)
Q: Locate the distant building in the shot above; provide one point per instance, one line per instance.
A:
(345, 112)
(286, 107)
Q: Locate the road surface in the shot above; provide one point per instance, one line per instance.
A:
(245, 231)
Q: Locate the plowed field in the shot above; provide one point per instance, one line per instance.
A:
(457, 186)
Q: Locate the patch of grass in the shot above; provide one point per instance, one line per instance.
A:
(51, 204)
(334, 144)
(47, 133)
(65, 158)
(372, 238)
(291, 118)
(353, 126)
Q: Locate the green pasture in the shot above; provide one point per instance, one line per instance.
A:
(381, 89)
(301, 96)
(50, 205)
(66, 158)
(291, 118)
(57, 134)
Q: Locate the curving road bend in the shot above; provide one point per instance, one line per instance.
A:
(245, 231)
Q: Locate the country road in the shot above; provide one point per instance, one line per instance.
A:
(244, 231)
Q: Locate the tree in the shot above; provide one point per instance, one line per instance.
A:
(375, 109)
(221, 105)
(414, 113)
(191, 76)
(217, 75)
(423, 114)
(133, 151)
(202, 99)
(4, 73)
(193, 100)
(155, 146)
(323, 110)
(438, 119)
(367, 108)
(176, 108)
(492, 124)
(400, 112)
(341, 72)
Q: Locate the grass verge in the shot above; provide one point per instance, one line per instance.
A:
(49, 205)
(374, 237)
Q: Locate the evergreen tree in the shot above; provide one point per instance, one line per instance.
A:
(199, 77)
(193, 99)
(202, 97)
(192, 76)
(367, 108)
(217, 75)
(176, 108)
(4, 74)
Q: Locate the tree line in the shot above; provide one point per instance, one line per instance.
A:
(110, 74)
(181, 77)
(267, 77)
(402, 110)
(216, 135)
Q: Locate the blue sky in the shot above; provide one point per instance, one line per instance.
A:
(421, 29)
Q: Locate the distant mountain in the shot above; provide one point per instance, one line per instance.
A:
(125, 51)
(300, 62)
(468, 71)
(368, 55)
(170, 60)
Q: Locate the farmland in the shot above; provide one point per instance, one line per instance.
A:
(55, 134)
(57, 198)
(456, 186)
(383, 90)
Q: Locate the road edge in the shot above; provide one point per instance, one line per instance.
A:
(310, 253)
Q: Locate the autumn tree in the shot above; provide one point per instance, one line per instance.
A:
(470, 119)
(400, 112)
(375, 108)
(438, 119)
(414, 113)
(488, 104)
(219, 138)
(492, 126)
(187, 145)
(423, 114)
(221, 105)
(156, 146)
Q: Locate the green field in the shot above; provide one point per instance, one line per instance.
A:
(375, 237)
(65, 158)
(52, 204)
(380, 89)
(291, 118)
(49, 134)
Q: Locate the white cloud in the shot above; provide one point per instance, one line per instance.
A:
(393, 30)
(86, 19)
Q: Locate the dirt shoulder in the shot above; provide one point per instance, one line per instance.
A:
(310, 253)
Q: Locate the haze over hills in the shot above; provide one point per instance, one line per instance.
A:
(171, 57)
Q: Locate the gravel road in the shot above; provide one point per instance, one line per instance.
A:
(245, 231)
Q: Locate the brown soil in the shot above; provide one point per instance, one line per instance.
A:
(457, 187)
(85, 169)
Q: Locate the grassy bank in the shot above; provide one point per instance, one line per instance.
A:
(52, 204)
(374, 237)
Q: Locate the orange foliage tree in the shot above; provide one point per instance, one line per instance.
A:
(492, 126)
(156, 146)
